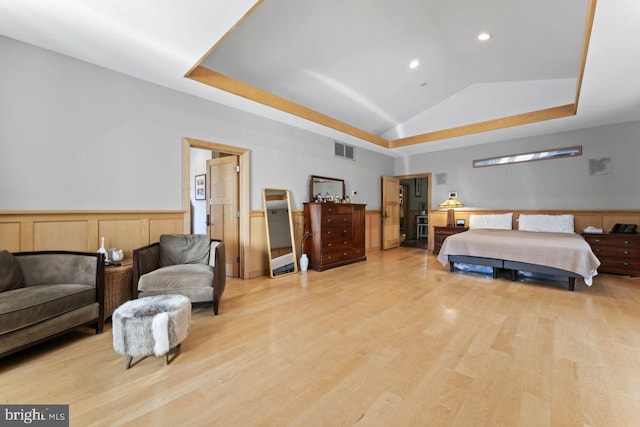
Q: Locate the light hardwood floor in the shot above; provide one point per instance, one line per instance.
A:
(394, 341)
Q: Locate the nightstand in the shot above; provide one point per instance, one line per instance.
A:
(441, 233)
(118, 280)
(618, 253)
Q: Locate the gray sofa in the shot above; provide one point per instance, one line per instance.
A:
(45, 294)
(192, 265)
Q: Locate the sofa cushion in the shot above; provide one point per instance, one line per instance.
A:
(184, 249)
(178, 277)
(10, 272)
(27, 306)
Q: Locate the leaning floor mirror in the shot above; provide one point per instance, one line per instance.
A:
(279, 224)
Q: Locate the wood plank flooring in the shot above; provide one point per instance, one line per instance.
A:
(395, 341)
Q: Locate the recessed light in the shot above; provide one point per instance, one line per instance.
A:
(414, 64)
(484, 37)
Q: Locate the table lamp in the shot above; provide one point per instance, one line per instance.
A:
(450, 204)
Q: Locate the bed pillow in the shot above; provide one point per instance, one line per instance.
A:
(493, 221)
(547, 223)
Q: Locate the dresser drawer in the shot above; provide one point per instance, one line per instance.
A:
(343, 255)
(439, 238)
(336, 209)
(335, 244)
(358, 251)
(613, 251)
(616, 240)
(333, 232)
(621, 266)
(337, 219)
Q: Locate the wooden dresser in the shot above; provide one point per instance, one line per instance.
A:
(618, 253)
(337, 234)
(441, 233)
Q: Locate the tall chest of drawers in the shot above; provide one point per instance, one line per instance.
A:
(337, 234)
(618, 253)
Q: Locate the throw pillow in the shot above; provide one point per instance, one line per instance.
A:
(184, 249)
(10, 272)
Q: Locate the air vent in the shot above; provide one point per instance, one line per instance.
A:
(344, 151)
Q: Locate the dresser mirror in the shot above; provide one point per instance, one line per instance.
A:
(330, 188)
(279, 225)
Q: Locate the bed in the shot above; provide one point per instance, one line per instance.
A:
(553, 253)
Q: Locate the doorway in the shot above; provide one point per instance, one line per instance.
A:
(241, 259)
(414, 210)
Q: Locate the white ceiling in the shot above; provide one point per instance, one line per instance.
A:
(316, 52)
(350, 60)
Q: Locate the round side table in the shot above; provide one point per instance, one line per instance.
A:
(118, 281)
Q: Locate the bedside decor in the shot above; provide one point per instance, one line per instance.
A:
(451, 204)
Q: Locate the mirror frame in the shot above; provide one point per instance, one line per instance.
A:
(265, 199)
(312, 194)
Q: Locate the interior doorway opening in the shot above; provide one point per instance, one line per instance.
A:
(415, 208)
(190, 217)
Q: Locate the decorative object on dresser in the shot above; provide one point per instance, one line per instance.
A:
(118, 283)
(441, 233)
(337, 234)
(618, 253)
(326, 189)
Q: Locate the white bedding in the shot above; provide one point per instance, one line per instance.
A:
(566, 251)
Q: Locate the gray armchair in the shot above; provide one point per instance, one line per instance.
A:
(192, 265)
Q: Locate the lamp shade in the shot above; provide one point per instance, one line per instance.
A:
(451, 203)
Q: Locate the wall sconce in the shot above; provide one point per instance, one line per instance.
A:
(451, 204)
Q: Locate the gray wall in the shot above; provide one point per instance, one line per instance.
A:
(565, 183)
(77, 136)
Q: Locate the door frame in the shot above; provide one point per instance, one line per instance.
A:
(429, 200)
(243, 191)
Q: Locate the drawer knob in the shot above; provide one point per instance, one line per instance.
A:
(627, 242)
(344, 220)
(329, 232)
(596, 250)
(626, 264)
(330, 244)
(627, 252)
(597, 240)
(328, 219)
(344, 254)
(329, 257)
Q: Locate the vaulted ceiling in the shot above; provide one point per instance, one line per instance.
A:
(341, 68)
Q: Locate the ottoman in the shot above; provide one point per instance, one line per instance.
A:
(151, 325)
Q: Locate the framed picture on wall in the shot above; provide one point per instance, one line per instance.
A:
(201, 187)
(417, 184)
